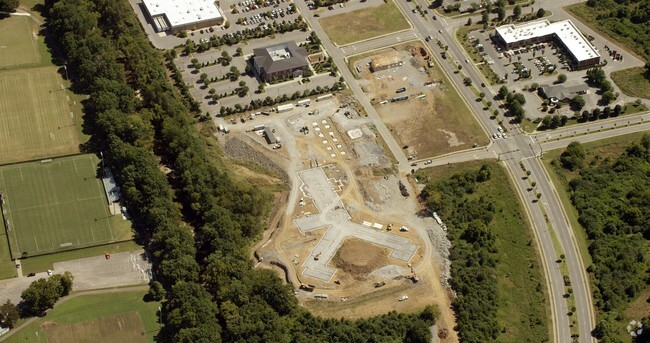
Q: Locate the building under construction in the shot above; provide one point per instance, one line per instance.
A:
(385, 61)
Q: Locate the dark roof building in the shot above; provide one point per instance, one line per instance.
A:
(270, 136)
(561, 92)
(284, 60)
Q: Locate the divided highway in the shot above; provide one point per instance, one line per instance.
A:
(552, 231)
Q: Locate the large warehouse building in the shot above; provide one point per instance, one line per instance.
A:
(176, 16)
(285, 60)
(564, 33)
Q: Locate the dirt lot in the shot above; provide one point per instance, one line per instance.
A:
(359, 258)
(126, 327)
(445, 122)
(359, 185)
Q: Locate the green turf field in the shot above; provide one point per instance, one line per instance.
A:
(36, 116)
(92, 318)
(19, 42)
(58, 205)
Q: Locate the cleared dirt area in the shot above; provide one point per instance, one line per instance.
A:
(359, 258)
(444, 123)
(338, 242)
(126, 327)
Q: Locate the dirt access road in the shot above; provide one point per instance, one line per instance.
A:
(281, 245)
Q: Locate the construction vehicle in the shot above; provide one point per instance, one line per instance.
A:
(414, 277)
(402, 189)
(307, 288)
(380, 284)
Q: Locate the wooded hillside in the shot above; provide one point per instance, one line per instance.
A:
(196, 222)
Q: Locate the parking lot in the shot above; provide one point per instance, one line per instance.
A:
(223, 85)
(539, 63)
(247, 13)
(319, 188)
(234, 12)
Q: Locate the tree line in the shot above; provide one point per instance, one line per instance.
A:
(627, 20)
(473, 253)
(612, 196)
(197, 222)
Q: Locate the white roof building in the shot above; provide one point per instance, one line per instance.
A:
(180, 15)
(564, 31)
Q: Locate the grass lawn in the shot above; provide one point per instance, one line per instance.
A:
(523, 311)
(363, 24)
(7, 266)
(57, 205)
(42, 263)
(19, 37)
(633, 82)
(37, 117)
(103, 312)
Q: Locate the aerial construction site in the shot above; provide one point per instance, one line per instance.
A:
(348, 235)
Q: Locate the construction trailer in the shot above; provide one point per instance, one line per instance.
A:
(324, 97)
(284, 108)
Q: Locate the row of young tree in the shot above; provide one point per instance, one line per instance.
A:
(612, 196)
(473, 252)
(197, 222)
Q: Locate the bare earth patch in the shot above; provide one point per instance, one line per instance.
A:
(126, 327)
(359, 258)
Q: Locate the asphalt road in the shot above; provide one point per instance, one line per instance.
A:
(520, 147)
(547, 215)
(339, 58)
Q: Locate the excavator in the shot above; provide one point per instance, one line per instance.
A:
(414, 277)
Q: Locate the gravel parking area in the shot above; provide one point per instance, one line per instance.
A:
(122, 269)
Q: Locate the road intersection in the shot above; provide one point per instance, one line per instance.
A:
(547, 215)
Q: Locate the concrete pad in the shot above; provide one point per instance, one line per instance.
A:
(333, 214)
(123, 269)
(126, 268)
(309, 223)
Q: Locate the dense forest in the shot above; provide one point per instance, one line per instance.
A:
(197, 222)
(626, 20)
(472, 254)
(612, 197)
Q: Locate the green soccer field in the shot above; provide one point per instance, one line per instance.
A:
(19, 42)
(37, 119)
(57, 205)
